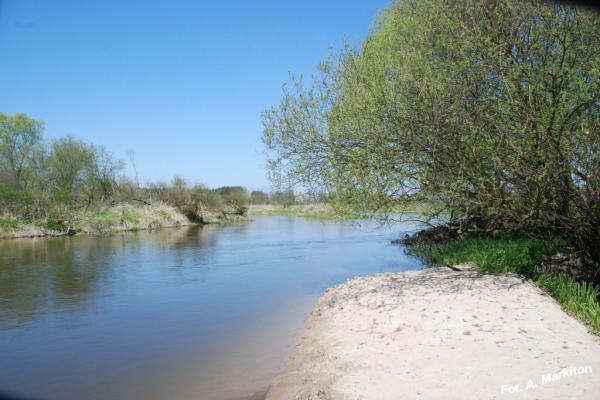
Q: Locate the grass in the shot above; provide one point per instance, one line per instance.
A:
(518, 255)
(98, 220)
(495, 255)
(129, 217)
(8, 225)
(133, 215)
(163, 214)
(579, 298)
(53, 226)
(104, 221)
(16, 227)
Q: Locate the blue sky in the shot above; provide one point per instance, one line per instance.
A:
(181, 83)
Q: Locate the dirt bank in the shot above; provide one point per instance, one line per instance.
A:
(440, 334)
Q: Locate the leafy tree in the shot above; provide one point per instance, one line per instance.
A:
(69, 162)
(15, 201)
(19, 137)
(105, 170)
(176, 194)
(234, 196)
(41, 180)
(259, 197)
(492, 108)
(284, 197)
(203, 197)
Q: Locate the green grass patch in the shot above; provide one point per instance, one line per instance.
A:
(517, 255)
(103, 222)
(495, 255)
(107, 219)
(8, 225)
(131, 215)
(12, 225)
(53, 226)
(163, 214)
(579, 298)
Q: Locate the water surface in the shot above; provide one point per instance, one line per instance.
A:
(201, 312)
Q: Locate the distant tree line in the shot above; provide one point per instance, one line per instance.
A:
(491, 108)
(41, 179)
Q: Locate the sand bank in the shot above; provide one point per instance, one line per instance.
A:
(440, 334)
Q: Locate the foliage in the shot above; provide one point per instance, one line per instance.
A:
(8, 224)
(202, 196)
(259, 197)
(130, 215)
(103, 175)
(496, 255)
(45, 181)
(40, 179)
(53, 226)
(15, 201)
(491, 108)
(68, 165)
(20, 137)
(176, 193)
(284, 197)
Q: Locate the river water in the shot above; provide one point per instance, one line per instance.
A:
(193, 313)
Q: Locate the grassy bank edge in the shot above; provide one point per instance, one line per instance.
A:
(312, 210)
(522, 256)
(124, 217)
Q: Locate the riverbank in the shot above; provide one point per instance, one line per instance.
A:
(312, 210)
(106, 220)
(440, 333)
(549, 263)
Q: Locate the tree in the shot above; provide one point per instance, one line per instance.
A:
(102, 178)
(259, 197)
(70, 162)
(234, 196)
(284, 197)
(178, 195)
(203, 197)
(492, 108)
(19, 136)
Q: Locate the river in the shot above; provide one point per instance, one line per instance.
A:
(205, 312)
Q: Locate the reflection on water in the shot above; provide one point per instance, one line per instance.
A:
(200, 312)
(54, 274)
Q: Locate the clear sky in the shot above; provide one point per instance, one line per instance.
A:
(182, 83)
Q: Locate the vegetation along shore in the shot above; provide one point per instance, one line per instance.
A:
(491, 110)
(66, 186)
(476, 122)
(504, 142)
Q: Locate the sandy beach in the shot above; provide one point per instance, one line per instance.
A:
(440, 334)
